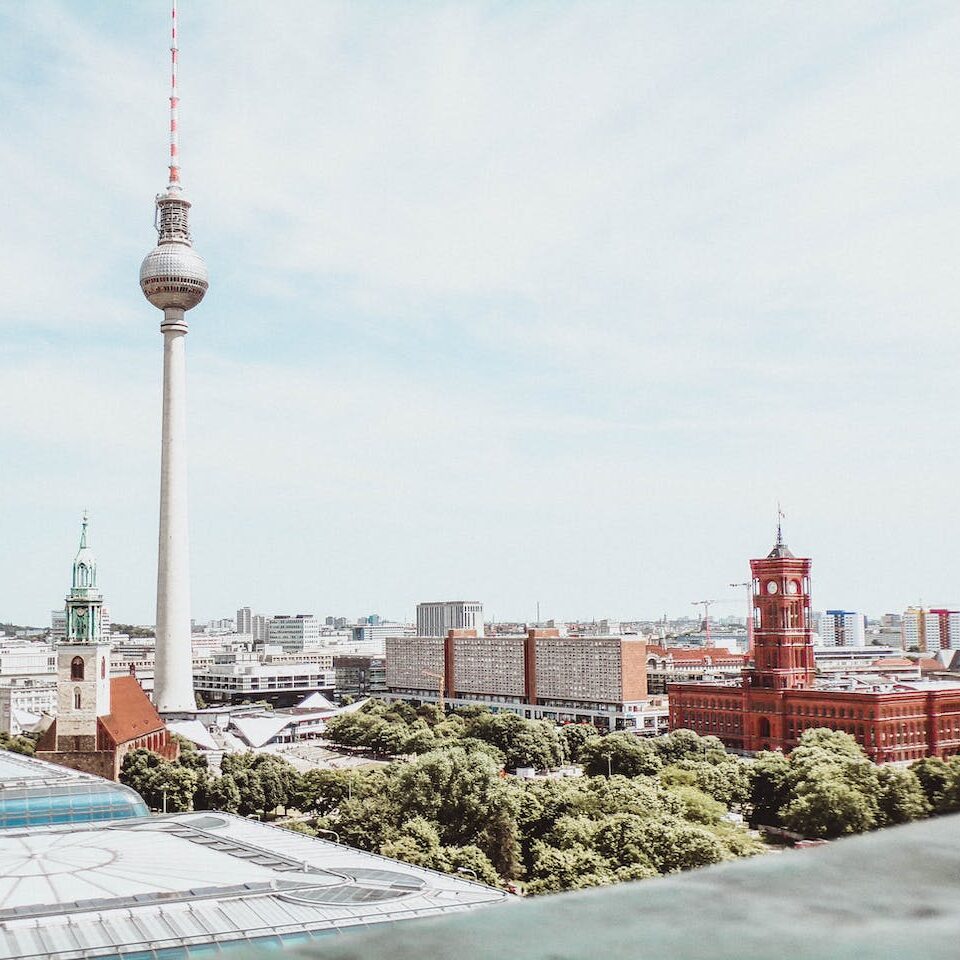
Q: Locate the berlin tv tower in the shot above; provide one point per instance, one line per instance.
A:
(173, 277)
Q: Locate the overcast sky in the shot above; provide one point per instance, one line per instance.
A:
(511, 301)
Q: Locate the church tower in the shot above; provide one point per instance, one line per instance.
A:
(782, 642)
(83, 659)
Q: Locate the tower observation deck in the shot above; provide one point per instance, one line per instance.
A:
(173, 277)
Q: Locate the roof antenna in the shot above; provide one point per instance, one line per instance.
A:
(174, 102)
(780, 516)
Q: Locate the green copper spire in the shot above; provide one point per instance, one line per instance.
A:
(85, 601)
(84, 565)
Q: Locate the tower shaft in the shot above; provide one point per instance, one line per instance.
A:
(173, 683)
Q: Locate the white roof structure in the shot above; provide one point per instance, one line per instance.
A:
(194, 731)
(258, 731)
(315, 701)
(189, 880)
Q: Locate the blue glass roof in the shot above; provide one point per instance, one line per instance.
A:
(37, 793)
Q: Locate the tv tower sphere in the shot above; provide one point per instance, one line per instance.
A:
(173, 278)
(173, 275)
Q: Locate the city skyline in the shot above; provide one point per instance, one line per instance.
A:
(561, 329)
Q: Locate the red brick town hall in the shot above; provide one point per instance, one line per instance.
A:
(779, 696)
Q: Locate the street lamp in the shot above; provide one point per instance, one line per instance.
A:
(466, 870)
(333, 833)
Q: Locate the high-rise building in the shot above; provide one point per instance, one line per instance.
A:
(244, 623)
(840, 628)
(58, 625)
(434, 619)
(173, 277)
(920, 629)
(294, 633)
(99, 718)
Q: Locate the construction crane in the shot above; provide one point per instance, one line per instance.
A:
(706, 619)
(440, 685)
(748, 586)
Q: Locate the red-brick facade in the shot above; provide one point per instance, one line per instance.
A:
(777, 699)
(132, 723)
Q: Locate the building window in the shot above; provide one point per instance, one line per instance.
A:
(103, 668)
(76, 699)
(76, 668)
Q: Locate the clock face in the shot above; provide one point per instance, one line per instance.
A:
(792, 587)
(772, 586)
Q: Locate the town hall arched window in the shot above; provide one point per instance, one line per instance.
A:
(76, 668)
(76, 699)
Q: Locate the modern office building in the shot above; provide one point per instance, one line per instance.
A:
(24, 702)
(34, 792)
(359, 676)
(839, 628)
(293, 633)
(27, 660)
(539, 675)
(202, 884)
(780, 696)
(372, 637)
(434, 619)
(237, 676)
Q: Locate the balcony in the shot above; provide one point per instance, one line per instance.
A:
(890, 895)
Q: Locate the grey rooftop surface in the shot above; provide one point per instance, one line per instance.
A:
(890, 895)
(202, 884)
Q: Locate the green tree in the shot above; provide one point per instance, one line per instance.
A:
(770, 788)
(252, 797)
(901, 798)
(619, 753)
(223, 794)
(465, 796)
(523, 743)
(573, 737)
(18, 743)
(934, 776)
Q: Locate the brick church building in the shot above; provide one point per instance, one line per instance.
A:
(778, 696)
(99, 718)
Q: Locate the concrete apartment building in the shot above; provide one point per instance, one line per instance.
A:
(930, 630)
(540, 675)
(839, 628)
(436, 618)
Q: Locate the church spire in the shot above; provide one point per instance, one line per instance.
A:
(84, 565)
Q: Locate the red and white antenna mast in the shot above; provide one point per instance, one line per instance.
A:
(174, 101)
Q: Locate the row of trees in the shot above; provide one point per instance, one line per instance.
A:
(249, 783)
(642, 808)
(453, 806)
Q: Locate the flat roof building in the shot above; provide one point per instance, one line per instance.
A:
(201, 883)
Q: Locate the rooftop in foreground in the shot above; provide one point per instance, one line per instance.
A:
(194, 884)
